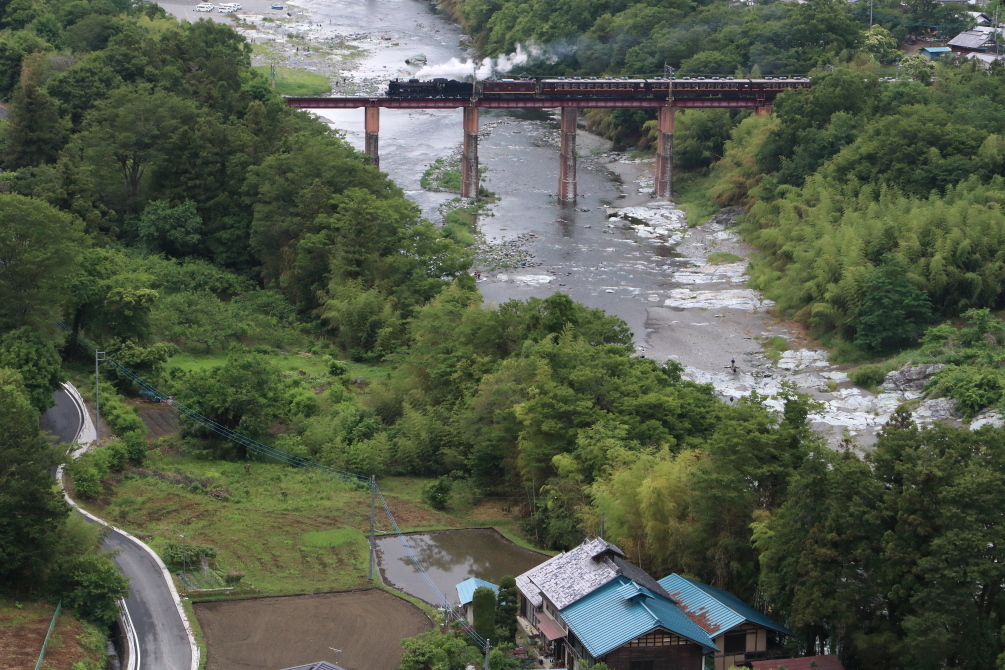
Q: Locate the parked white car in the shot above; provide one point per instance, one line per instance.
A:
(205, 7)
(227, 8)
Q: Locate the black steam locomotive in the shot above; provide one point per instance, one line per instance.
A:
(434, 88)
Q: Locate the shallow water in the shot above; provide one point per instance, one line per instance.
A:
(449, 557)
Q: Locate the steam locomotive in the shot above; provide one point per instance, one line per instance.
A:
(592, 87)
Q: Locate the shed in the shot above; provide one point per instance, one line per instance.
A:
(931, 53)
(466, 591)
(320, 665)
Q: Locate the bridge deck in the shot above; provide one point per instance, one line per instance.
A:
(520, 103)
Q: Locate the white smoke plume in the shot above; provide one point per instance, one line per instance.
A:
(456, 68)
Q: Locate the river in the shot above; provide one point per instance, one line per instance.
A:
(617, 248)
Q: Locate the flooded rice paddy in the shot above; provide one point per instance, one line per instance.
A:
(449, 557)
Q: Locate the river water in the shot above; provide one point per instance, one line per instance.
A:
(616, 249)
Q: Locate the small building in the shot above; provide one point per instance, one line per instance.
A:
(986, 60)
(466, 591)
(741, 633)
(970, 41)
(980, 18)
(320, 665)
(827, 662)
(592, 605)
(931, 53)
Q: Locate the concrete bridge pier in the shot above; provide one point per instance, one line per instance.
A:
(763, 109)
(469, 154)
(372, 127)
(567, 156)
(664, 152)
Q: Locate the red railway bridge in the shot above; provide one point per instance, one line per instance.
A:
(569, 95)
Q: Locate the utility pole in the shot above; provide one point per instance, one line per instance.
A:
(184, 557)
(98, 357)
(870, 13)
(373, 514)
(487, 647)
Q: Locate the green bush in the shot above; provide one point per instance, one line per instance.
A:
(437, 494)
(179, 553)
(867, 376)
(973, 388)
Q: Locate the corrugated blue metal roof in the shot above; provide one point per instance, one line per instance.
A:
(717, 610)
(606, 619)
(466, 589)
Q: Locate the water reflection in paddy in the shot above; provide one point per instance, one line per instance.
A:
(450, 557)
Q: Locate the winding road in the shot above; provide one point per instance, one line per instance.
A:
(163, 641)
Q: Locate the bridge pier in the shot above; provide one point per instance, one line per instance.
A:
(664, 152)
(372, 127)
(763, 109)
(567, 156)
(469, 154)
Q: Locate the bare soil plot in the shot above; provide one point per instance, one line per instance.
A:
(22, 631)
(160, 419)
(271, 633)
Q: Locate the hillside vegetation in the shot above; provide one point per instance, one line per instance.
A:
(161, 200)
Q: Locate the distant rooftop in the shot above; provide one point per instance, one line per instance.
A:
(970, 39)
(716, 611)
(320, 665)
(805, 663)
(466, 589)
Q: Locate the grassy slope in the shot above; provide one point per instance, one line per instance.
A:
(290, 81)
(312, 539)
(314, 366)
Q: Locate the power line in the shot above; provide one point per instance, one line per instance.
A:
(295, 461)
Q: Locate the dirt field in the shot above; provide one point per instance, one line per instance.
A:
(272, 633)
(22, 631)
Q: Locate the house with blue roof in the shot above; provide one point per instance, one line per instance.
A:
(466, 592)
(741, 633)
(592, 605)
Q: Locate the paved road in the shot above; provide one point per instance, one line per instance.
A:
(163, 642)
(63, 420)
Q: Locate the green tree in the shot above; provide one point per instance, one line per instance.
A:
(893, 311)
(37, 361)
(880, 44)
(507, 609)
(39, 246)
(918, 68)
(129, 135)
(174, 231)
(483, 607)
(34, 132)
(30, 509)
(246, 394)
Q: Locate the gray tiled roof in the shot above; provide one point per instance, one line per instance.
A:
(969, 39)
(566, 578)
(320, 665)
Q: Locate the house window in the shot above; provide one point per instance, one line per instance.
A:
(736, 643)
(642, 664)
